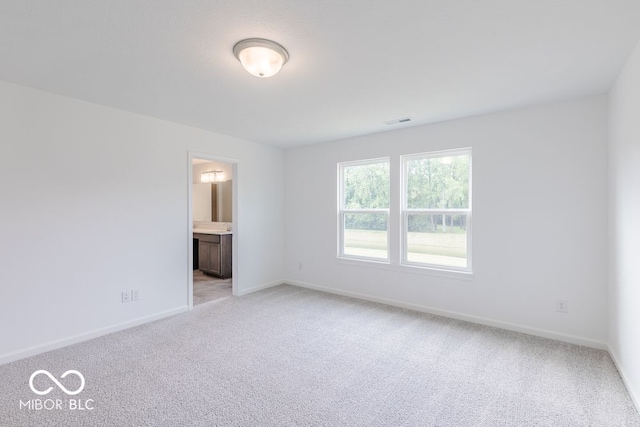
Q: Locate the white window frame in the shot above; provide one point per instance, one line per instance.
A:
(342, 211)
(406, 211)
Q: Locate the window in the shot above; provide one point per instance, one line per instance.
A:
(428, 224)
(436, 213)
(364, 209)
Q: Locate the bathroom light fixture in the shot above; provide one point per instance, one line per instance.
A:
(212, 176)
(261, 57)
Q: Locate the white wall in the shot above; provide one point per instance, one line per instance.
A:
(624, 296)
(93, 201)
(201, 201)
(539, 220)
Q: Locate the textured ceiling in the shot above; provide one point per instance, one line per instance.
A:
(354, 64)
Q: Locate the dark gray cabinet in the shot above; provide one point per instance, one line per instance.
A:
(214, 254)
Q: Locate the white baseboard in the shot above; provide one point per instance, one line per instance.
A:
(461, 316)
(635, 397)
(74, 339)
(259, 288)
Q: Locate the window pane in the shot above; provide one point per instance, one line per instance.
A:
(437, 239)
(365, 235)
(367, 186)
(438, 182)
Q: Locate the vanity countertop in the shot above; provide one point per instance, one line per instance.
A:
(208, 231)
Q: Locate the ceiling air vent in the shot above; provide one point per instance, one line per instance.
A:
(396, 121)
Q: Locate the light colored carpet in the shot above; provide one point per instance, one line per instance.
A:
(287, 356)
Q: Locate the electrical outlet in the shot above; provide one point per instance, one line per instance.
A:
(299, 266)
(125, 296)
(135, 294)
(561, 306)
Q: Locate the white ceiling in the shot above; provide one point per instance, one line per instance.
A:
(353, 64)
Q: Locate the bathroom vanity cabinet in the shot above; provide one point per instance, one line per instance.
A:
(214, 254)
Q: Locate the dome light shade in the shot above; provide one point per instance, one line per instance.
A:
(261, 57)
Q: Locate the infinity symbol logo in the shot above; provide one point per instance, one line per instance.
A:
(60, 386)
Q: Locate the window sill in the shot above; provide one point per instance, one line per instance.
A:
(405, 268)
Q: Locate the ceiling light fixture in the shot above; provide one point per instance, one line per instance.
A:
(212, 176)
(261, 57)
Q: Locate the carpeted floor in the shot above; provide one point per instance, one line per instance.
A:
(287, 356)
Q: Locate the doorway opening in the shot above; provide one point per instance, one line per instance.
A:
(212, 228)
